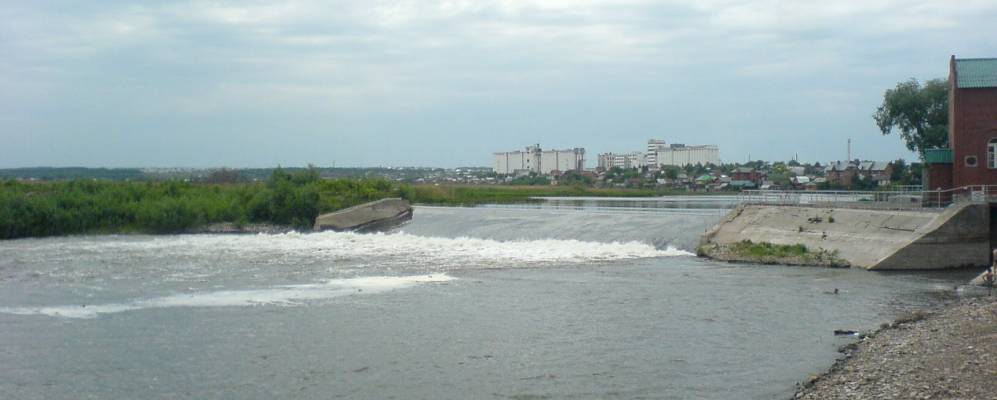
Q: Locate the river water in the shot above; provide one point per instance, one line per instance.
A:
(566, 299)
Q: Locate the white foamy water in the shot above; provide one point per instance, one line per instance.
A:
(346, 245)
(280, 295)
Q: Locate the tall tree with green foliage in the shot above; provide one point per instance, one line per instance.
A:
(919, 113)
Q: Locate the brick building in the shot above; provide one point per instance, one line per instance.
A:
(877, 171)
(840, 173)
(747, 174)
(972, 152)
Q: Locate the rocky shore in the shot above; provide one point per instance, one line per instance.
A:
(950, 353)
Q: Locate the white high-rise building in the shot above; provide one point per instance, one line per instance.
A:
(653, 147)
(539, 161)
(634, 159)
(512, 162)
(681, 155)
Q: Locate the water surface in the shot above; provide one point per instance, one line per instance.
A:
(584, 300)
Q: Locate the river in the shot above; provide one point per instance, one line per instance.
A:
(565, 299)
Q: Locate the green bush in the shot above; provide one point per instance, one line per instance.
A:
(765, 249)
(88, 206)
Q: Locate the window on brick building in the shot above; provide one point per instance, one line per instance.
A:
(970, 161)
(992, 153)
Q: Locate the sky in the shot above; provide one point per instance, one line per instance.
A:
(446, 84)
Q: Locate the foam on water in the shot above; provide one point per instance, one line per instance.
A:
(345, 245)
(278, 295)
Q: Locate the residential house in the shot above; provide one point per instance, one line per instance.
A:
(747, 174)
(840, 173)
(877, 171)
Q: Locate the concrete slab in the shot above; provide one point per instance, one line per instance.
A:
(873, 239)
(375, 215)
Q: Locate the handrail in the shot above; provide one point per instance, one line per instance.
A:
(885, 199)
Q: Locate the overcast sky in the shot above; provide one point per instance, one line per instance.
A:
(421, 83)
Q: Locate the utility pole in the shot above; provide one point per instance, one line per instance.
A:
(849, 150)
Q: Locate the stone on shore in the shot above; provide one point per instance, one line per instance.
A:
(950, 354)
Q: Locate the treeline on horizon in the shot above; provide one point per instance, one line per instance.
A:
(290, 199)
(209, 175)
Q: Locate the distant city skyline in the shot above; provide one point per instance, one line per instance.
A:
(446, 84)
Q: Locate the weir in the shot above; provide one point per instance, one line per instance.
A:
(960, 235)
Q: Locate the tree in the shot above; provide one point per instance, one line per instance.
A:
(899, 170)
(572, 178)
(223, 175)
(671, 172)
(919, 113)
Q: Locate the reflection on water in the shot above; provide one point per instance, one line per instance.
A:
(698, 202)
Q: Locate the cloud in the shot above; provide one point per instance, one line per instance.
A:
(650, 68)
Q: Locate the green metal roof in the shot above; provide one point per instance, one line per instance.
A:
(938, 156)
(976, 72)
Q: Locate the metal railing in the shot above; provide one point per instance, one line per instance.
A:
(885, 199)
(965, 194)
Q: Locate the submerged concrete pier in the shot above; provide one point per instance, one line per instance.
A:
(958, 236)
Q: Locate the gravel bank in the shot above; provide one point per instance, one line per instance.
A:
(948, 354)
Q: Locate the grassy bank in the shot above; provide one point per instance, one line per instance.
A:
(79, 206)
(285, 199)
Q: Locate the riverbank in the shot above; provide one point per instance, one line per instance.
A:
(950, 353)
(37, 209)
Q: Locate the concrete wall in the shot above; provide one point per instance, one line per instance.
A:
(369, 216)
(873, 239)
(959, 237)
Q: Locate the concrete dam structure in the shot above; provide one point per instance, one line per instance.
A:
(958, 236)
(373, 216)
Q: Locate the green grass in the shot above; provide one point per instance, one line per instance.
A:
(89, 206)
(764, 249)
(768, 253)
(286, 199)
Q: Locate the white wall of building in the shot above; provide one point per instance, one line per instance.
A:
(562, 160)
(634, 159)
(658, 153)
(654, 146)
(539, 161)
(689, 155)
